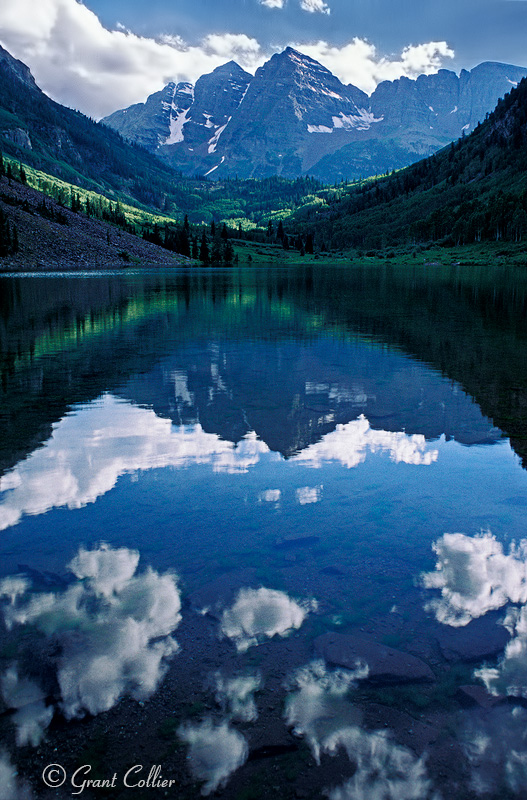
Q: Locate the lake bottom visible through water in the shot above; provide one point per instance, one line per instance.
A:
(263, 534)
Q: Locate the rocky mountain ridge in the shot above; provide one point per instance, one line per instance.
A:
(294, 117)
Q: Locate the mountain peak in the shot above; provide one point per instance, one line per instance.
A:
(229, 68)
(13, 65)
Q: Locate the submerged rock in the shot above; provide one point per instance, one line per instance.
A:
(480, 639)
(386, 665)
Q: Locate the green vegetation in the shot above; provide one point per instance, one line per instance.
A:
(473, 191)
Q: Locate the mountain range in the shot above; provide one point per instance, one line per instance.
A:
(294, 117)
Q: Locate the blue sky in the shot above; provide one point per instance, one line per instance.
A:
(105, 54)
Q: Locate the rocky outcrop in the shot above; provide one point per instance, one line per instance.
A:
(295, 117)
(156, 121)
(385, 664)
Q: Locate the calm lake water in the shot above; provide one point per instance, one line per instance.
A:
(263, 531)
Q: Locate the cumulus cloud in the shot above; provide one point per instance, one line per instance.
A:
(383, 769)
(89, 450)
(215, 752)
(308, 494)
(32, 716)
(259, 614)
(495, 744)
(474, 576)
(11, 787)
(349, 444)
(273, 3)
(358, 62)
(236, 696)
(319, 709)
(113, 625)
(510, 675)
(315, 6)
(80, 63)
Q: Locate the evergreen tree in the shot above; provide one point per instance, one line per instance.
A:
(186, 224)
(213, 228)
(195, 248)
(204, 254)
(224, 232)
(216, 252)
(2, 166)
(228, 252)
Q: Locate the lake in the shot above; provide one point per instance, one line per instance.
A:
(263, 533)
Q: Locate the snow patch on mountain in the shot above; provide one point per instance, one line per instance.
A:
(213, 143)
(319, 129)
(176, 128)
(361, 121)
(216, 167)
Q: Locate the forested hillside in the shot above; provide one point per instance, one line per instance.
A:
(474, 190)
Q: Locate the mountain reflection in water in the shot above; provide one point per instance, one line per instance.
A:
(266, 527)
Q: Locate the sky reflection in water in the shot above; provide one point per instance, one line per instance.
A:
(266, 463)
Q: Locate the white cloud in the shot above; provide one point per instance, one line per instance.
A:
(358, 62)
(89, 450)
(259, 614)
(270, 496)
(114, 627)
(314, 6)
(82, 64)
(510, 675)
(475, 576)
(236, 696)
(383, 769)
(273, 3)
(11, 787)
(32, 716)
(215, 752)
(319, 709)
(349, 444)
(309, 494)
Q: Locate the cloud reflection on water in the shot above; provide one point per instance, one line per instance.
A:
(236, 696)
(475, 576)
(32, 716)
(495, 744)
(259, 614)
(349, 444)
(113, 625)
(11, 786)
(215, 752)
(319, 709)
(91, 448)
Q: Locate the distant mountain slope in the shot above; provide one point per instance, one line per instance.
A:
(65, 143)
(295, 118)
(473, 190)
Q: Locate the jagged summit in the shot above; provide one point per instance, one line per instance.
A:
(295, 117)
